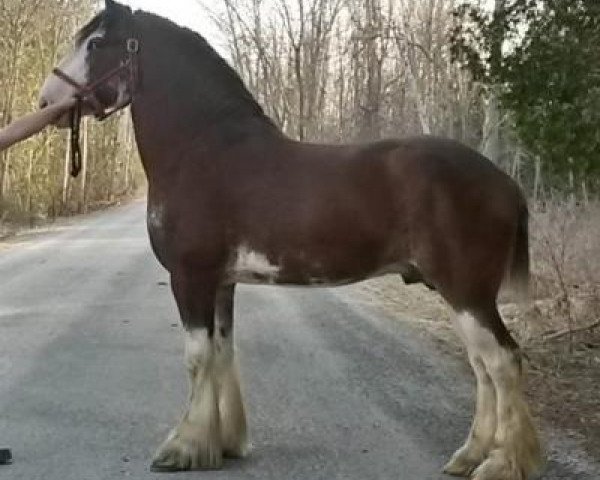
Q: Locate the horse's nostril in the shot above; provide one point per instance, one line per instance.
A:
(43, 103)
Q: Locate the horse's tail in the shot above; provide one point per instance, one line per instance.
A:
(519, 269)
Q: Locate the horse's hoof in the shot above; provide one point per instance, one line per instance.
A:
(159, 466)
(173, 462)
(462, 464)
(5, 456)
(178, 455)
(170, 461)
(238, 452)
(460, 467)
(499, 467)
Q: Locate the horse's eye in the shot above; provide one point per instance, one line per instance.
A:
(94, 44)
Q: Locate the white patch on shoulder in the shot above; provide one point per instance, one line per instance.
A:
(253, 267)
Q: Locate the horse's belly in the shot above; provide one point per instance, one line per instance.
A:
(253, 267)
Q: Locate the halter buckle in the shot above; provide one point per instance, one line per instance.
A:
(133, 45)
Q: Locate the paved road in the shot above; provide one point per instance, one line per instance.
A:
(91, 374)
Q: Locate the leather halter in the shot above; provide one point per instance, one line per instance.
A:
(87, 94)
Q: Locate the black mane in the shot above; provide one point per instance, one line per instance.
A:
(208, 69)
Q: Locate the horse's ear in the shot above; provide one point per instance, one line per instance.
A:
(115, 11)
(113, 7)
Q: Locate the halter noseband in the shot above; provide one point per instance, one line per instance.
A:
(87, 94)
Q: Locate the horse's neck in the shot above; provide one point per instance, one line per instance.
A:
(177, 119)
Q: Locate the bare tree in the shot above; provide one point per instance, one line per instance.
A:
(358, 69)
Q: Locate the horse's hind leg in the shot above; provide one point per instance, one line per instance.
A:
(196, 442)
(483, 429)
(231, 405)
(503, 437)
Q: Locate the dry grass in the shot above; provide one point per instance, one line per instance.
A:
(561, 330)
(565, 242)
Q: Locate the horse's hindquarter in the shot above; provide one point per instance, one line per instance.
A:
(461, 215)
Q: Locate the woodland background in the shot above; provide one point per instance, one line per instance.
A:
(519, 80)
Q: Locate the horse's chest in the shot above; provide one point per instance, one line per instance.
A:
(155, 217)
(156, 222)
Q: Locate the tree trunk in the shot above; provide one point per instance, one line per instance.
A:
(491, 143)
(537, 179)
(4, 175)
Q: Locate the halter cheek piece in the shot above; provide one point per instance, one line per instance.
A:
(87, 94)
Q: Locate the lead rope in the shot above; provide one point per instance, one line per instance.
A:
(131, 64)
(76, 162)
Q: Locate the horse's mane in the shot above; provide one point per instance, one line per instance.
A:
(203, 58)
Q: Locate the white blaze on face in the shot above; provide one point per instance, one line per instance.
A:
(75, 65)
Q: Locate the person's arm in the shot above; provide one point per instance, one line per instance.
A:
(33, 123)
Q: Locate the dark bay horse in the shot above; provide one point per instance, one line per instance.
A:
(233, 200)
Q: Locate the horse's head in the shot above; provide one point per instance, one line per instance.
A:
(100, 69)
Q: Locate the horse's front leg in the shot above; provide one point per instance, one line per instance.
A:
(196, 442)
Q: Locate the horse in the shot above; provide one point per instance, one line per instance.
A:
(232, 199)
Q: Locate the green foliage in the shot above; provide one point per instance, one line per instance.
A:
(543, 59)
